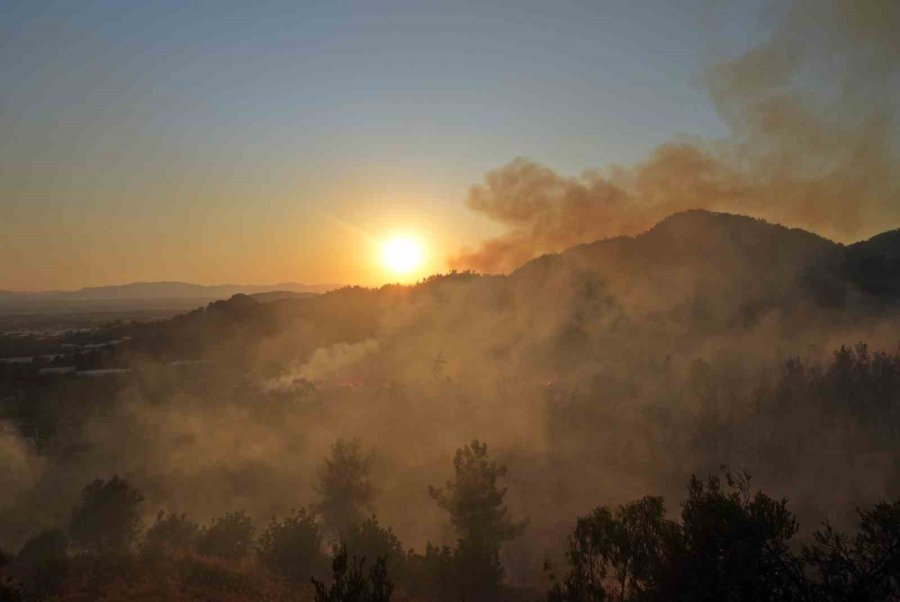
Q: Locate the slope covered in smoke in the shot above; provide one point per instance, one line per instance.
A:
(726, 266)
(599, 374)
(695, 284)
(709, 270)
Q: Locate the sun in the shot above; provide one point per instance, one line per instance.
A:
(401, 254)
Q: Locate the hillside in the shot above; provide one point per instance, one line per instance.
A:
(693, 274)
(875, 265)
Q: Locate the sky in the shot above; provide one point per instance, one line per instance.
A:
(263, 142)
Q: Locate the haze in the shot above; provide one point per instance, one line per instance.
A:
(446, 301)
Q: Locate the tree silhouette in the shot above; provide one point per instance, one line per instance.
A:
(229, 537)
(731, 545)
(477, 510)
(369, 539)
(344, 485)
(736, 544)
(866, 567)
(293, 547)
(45, 561)
(629, 547)
(432, 575)
(107, 520)
(170, 534)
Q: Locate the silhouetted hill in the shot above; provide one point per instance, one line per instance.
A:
(875, 265)
(703, 268)
(696, 272)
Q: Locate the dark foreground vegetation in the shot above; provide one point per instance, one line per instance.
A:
(731, 542)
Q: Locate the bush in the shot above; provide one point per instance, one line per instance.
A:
(432, 575)
(293, 547)
(229, 537)
(49, 545)
(369, 540)
(107, 519)
(170, 534)
(207, 574)
(43, 562)
(352, 584)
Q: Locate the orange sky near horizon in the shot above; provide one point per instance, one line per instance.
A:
(284, 142)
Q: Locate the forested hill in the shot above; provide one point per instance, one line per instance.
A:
(694, 275)
(708, 271)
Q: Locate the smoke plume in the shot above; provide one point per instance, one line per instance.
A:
(812, 114)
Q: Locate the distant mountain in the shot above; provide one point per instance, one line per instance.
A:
(269, 296)
(158, 290)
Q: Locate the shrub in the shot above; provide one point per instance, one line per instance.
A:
(43, 562)
(351, 583)
(107, 520)
(170, 534)
(229, 537)
(207, 574)
(369, 540)
(293, 547)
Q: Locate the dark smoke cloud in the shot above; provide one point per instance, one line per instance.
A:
(812, 114)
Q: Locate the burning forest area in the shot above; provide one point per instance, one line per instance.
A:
(669, 378)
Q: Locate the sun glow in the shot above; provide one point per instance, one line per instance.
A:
(401, 255)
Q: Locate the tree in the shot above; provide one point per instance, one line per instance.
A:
(432, 575)
(736, 544)
(864, 568)
(629, 547)
(345, 486)
(474, 499)
(370, 540)
(107, 520)
(51, 544)
(44, 559)
(170, 534)
(352, 584)
(229, 537)
(477, 510)
(731, 545)
(293, 547)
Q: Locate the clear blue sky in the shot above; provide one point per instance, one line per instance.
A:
(257, 141)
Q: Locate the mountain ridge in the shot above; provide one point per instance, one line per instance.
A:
(165, 289)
